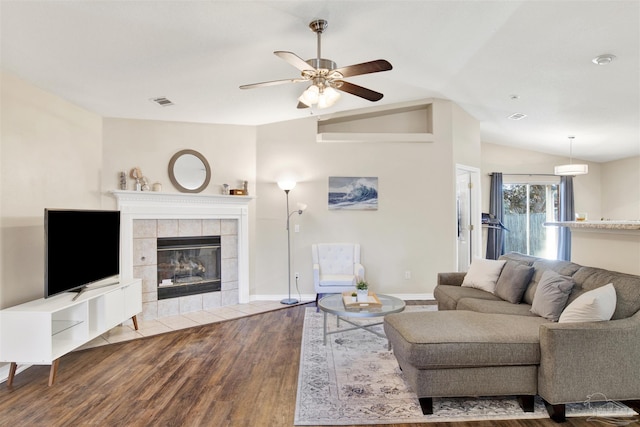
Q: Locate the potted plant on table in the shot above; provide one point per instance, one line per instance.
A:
(362, 289)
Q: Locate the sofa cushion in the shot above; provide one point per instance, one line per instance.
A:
(593, 306)
(450, 339)
(564, 268)
(483, 274)
(490, 306)
(519, 258)
(449, 295)
(627, 288)
(337, 280)
(513, 281)
(551, 295)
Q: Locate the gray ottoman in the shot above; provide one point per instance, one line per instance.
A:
(464, 353)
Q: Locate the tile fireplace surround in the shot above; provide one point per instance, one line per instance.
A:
(144, 216)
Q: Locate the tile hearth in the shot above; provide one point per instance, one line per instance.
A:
(147, 328)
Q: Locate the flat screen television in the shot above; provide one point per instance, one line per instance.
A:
(81, 247)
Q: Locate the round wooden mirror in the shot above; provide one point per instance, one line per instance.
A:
(189, 171)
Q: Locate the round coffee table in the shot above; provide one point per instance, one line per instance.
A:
(334, 304)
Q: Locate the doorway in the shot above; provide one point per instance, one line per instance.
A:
(468, 234)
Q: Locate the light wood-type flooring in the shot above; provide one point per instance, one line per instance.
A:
(240, 372)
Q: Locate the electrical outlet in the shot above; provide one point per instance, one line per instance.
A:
(297, 275)
(407, 274)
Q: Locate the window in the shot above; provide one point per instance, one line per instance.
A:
(527, 206)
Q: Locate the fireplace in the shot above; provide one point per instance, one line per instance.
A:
(188, 265)
(148, 215)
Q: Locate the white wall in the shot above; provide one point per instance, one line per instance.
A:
(51, 157)
(610, 190)
(412, 230)
(621, 189)
(148, 144)
(498, 158)
(466, 138)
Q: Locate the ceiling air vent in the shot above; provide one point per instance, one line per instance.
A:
(517, 116)
(162, 101)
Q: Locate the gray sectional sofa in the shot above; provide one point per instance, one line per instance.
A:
(478, 344)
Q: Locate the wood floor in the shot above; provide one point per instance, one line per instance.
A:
(237, 373)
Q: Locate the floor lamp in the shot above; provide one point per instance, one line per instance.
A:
(288, 186)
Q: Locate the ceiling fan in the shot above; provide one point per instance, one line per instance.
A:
(326, 80)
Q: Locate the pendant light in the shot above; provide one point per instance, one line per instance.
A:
(571, 169)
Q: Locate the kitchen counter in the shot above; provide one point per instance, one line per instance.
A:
(597, 225)
(612, 245)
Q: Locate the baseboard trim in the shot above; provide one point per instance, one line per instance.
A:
(312, 297)
(4, 371)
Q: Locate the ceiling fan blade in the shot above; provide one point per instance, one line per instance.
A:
(302, 105)
(294, 60)
(272, 83)
(356, 90)
(365, 68)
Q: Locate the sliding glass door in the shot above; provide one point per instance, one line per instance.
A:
(527, 206)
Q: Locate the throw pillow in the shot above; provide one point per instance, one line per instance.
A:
(513, 281)
(551, 295)
(483, 274)
(596, 305)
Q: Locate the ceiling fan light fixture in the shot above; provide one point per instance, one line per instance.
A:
(310, 95)
(328, 97)
(324, 96)
(323, 75)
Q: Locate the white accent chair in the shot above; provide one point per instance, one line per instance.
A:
(335, 267)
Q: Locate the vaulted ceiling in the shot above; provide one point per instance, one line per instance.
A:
(493, 58)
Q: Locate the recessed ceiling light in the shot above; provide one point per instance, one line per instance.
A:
(604, 59)
(517, 116)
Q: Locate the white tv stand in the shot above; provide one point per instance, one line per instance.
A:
(40, 332)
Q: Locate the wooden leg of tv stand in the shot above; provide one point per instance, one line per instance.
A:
(53, 371)
(135, 322)
(12, 373)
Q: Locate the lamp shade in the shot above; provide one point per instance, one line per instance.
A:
(571, 169)
(328, 97)
(324, 96)
(310, 95)
(286, 185)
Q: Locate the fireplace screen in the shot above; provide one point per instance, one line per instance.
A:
(188, 266)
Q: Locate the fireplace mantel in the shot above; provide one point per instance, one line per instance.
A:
(154, 205)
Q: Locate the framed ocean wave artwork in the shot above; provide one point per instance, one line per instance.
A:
(353, 193)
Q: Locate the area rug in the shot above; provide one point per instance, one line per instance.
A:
(355, 380)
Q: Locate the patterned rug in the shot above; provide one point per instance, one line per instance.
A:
(355, 380)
